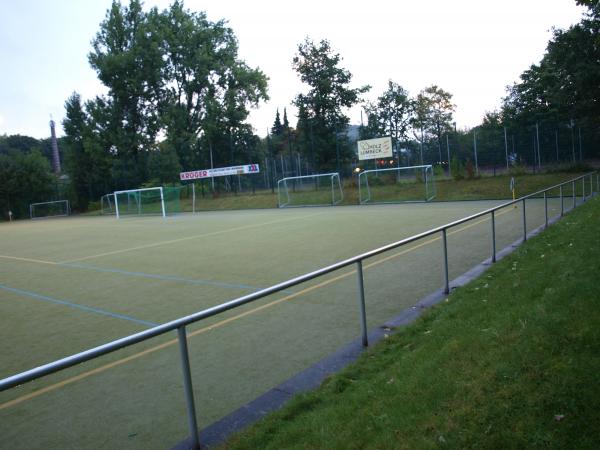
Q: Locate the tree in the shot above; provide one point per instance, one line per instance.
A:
(286, 123)
(565, 85)
(207, 88)
(25, 178)
(322, 106)
(391, 114)
(87, 162)
(277, 128)
(432, 116)
(77, 163)
(127, 58)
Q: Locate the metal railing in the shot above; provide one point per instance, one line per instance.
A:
(180, 324)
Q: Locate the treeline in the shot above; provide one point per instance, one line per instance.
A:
(25, 174)
(178, 97)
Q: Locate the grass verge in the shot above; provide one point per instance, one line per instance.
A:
(509, 361)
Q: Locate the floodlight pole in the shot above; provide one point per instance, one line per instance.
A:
(421, 144)
(506, 148)
(193, 197)
(537, 139)
(556, 140)
(212, 179)
(475, 151)
(573, 139)
(448, 150)
(337, 150)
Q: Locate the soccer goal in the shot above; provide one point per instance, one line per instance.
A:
(42, 210)
(107, 204)
(154, 201)
(397, 185)
(310, 190)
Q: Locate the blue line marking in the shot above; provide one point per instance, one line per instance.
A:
(77, 306)
(165, 277)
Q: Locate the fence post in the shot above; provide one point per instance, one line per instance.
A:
(446, 276)
(562, 203)
(574, 200)
(545, 210)
(189, 392)
(361, 301)
(493, 237)
(193, 197)
(583, 190)
(524, 223)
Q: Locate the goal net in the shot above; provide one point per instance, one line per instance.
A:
(58, 208)
(154, 201)
(396, 185)
(107, 204)
(310, 190)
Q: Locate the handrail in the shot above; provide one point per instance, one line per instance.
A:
(182, 322)
(118, 344)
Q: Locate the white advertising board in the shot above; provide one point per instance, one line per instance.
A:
(219, 172)
(375, 148)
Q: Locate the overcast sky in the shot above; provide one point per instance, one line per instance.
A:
(471, 48)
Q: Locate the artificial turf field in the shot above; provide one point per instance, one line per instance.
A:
(70, 284)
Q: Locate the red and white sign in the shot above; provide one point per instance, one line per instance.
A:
(219, 172)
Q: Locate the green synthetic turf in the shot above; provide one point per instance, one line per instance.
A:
(156, 269)
(509, 361)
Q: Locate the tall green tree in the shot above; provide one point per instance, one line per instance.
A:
(128, 59)
(277, 128)
(391, 114)
(208, 90)
(87, 161)
(323, 105)
(25, 178)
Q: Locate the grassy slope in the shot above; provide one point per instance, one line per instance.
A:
(509, 361)
(484, 188)
(476, 189)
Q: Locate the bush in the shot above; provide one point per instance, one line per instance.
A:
(470, 170)
(438, 171)
(518, 170)
(457, 169)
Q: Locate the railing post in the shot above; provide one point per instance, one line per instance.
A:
(562, 203)
(524, 223)
(574, 200)
(446, 276)
(493, 237)
(189, 392)
(361, 301)
(545, 210)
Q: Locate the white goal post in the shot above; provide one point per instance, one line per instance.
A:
(310, 190)
(397, 185)
(42, 210)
